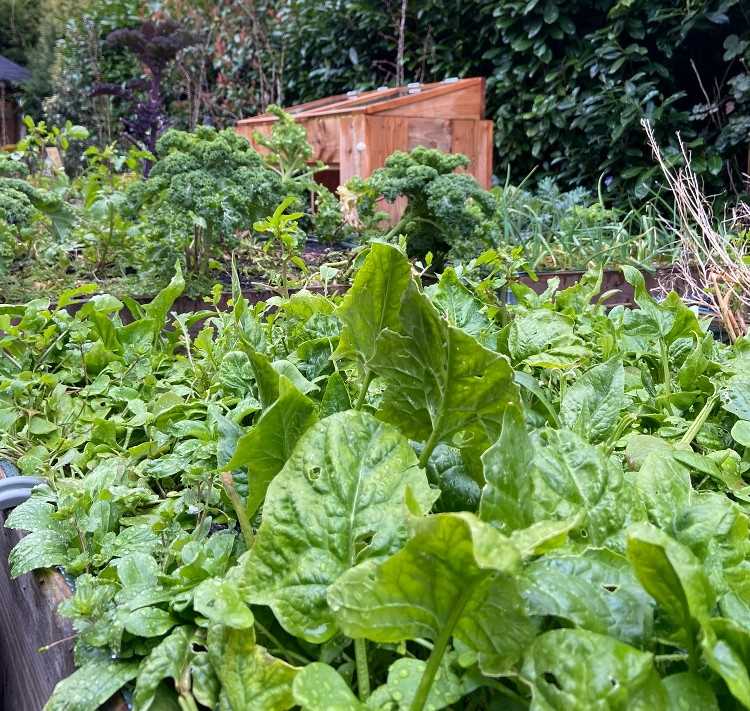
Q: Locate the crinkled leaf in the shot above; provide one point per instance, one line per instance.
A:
(91, 685)
(578, 669)
(404, 676)
(34, 514)
(372, 303)
(268, 445)
(439, 380)
(447, 471)
(40, 549)
(337, 501)
(595, 590)
(455, 575)
(148, 622)
(591, 405)
(688, 691)
(665, 487)
(319, 687)
(459, 306)
(221, 602)
(555, 475)
(674, 577)
(507, 472)
(735, 396)
(167, 660)
(251, 679)
(544, 339)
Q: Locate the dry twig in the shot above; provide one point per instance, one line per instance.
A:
(710, 271)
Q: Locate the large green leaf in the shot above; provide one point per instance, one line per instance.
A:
(404, 676)
(555, 475)
(669, 319)
(545, 339)
(735, 396)
(674, 577)
(688, 691)
(439, 380)
(726, 648)
(91, 685)
(665, 487)
(507, 471)
(591, 405)
(339, 500)
(168, 659)
(40, 549)
(595, 590)
(221, 602)
(372, 303)
(459, 306)
(578, 669)
(447, 471)
(269, 443)
(455, 576)
(158, 309)
(319, 687)
(251, 679)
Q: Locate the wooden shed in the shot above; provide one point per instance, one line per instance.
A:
(11, 76)
(354, 133)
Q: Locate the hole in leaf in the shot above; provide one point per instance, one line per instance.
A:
(583, 533)
(611, 588)
(614, 682)
(552, 680)
(313, 473)
(363, 541)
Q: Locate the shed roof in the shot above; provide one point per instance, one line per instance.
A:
(12, 72)
(384, 99)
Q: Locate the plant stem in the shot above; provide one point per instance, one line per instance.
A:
(666, 377)
(369, 375)
(699, 421)
(441, 643)
(280, 647)
(428, 449)
(239, 509)
(363, 673)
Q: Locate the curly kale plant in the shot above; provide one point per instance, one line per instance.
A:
(448, 214)
(155, 44)
(206, 186)
(21, 204)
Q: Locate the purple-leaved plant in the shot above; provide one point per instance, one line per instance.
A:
(155, 44)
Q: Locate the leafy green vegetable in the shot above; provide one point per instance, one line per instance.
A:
(577, 668)
(91, 685)
(454, 577)
(440, 382)
(337, 502)
(241, 538)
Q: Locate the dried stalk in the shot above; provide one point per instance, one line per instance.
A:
(710, 271)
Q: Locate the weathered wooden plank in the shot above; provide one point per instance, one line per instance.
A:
(352, 148)
(428, 132)
(461, 100)
(28, 621)
(383, 136)
(474, 140)
(323, 137)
